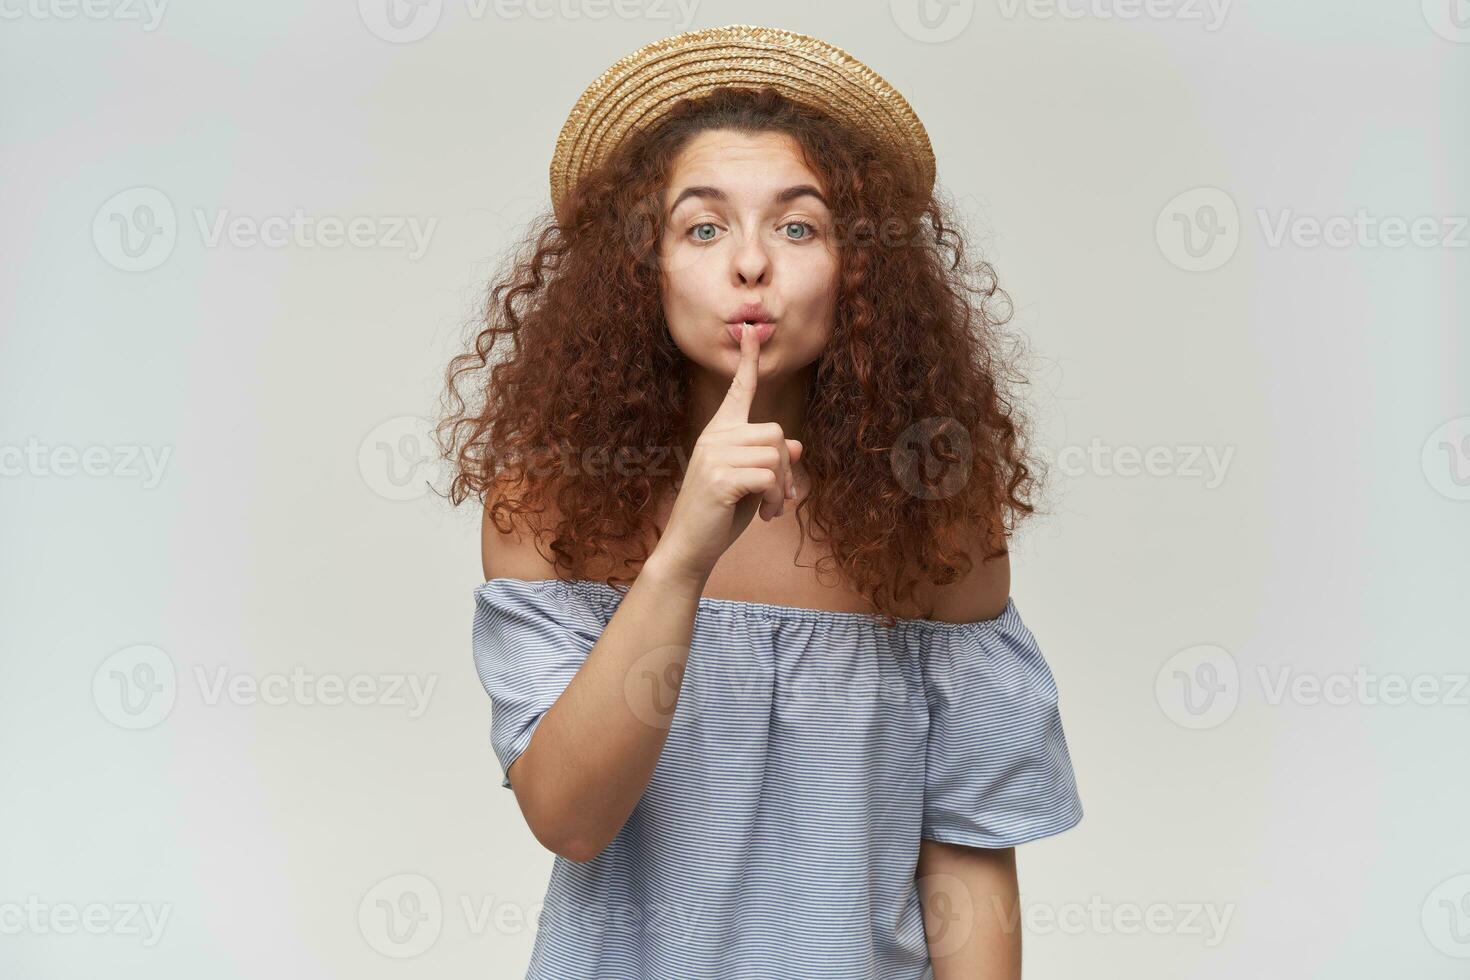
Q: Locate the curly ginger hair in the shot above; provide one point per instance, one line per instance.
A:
(913, 448)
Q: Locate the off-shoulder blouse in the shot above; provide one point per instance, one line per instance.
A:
(808, 753)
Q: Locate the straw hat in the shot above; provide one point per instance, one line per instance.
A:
(641, 87)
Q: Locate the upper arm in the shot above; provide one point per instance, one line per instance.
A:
(510, 554)
(981, 594)
(971, 902)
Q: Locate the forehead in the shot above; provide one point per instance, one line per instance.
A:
(742, 164)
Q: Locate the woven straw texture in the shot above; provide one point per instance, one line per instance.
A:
(641, 87)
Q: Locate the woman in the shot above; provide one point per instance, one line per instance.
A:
(748, 763)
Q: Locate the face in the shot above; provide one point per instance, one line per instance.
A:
(747, 225)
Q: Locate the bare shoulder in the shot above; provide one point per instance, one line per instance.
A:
(512, 553)
(982, 594)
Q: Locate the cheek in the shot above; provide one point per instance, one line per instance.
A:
(679, 289)
(687, 274)
(813, 279)
(685, 298)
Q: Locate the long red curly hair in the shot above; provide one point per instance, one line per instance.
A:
(914, 449)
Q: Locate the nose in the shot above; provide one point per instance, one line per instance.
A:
(751, 262)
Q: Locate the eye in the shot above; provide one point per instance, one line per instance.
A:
(810, 230)
(695, 231)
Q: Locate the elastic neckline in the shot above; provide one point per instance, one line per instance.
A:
(1008, 617)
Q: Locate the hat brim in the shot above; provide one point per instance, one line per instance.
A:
(641, 87)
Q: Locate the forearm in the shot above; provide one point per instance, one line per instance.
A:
(971, 903)
(596, 747)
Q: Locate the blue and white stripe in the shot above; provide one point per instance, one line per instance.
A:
(809, 752)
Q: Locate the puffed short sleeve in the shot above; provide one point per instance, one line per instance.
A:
(997, 771)
(530, 638)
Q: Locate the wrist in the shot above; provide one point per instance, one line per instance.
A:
(669, 576)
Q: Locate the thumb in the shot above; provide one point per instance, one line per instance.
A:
(793, 447)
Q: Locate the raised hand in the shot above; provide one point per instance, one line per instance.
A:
(736, 467)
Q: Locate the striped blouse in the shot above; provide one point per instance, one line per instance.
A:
(808, 753)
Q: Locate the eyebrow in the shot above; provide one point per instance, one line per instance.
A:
(715, 194)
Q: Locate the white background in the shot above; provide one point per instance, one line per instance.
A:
(284, 524)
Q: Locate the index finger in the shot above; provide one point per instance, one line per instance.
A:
(736, 406)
